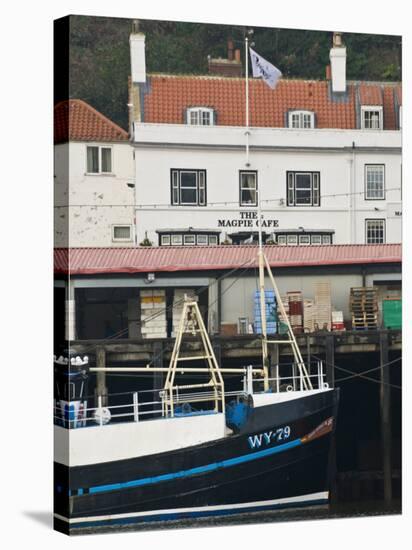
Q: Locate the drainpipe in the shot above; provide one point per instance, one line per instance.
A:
(352, 201)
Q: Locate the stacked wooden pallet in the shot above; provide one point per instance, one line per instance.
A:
(363, 306)
(178, 300)
(153, 316)
(322, 311)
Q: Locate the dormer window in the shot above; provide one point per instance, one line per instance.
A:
(372, 118)
(301, 119)
(200, 116)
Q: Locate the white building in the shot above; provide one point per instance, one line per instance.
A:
(94, 179)
(324, 156)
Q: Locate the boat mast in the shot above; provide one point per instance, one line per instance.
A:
(261, 262)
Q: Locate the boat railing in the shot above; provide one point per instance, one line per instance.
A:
(288, 377)
(137, 406)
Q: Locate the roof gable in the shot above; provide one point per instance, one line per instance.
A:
(76, 120)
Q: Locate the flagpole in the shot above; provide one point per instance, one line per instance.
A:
(247, 133)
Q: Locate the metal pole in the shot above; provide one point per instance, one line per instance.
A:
(247, 132)
(262, 298)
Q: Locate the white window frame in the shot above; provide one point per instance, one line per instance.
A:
(176, 187)
(213, 240)
(291, 191)
(99, 158)
(316, 237)
(281, 240)
(292, 240)
(120, 239)
(304, 120)
(303, 238)
(189, 237)
(241, 188)
(383, 226)
(200, 116)
(369, 109)
(369, 193)
(326, 239)
(203, 238)
(178, 238)
(165, 240)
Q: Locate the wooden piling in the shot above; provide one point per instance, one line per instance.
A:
(385, 412)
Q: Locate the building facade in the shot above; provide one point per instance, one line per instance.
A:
(324, 157)
(94, 179)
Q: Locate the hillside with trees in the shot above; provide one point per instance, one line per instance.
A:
(100, 62)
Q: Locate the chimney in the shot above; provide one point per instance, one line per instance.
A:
(338, 63)
(231, 66)
(137, 55)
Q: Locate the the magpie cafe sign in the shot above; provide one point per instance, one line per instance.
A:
(247, 220)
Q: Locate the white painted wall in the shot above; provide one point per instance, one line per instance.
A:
(221, 152)
(98, 201)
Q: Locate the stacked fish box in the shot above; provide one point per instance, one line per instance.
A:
(308, 311)
(178, 301)
(283, 328)
(337, 320)
(270, 312)
(296, 311)
(153, 316)
(322, 314)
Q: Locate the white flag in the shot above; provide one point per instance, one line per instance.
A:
(264, 69)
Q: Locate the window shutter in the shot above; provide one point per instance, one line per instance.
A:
(175, 187)
(316, 189)
(291, 189)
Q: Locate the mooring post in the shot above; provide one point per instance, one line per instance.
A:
(101, 388)
(157, 351)
(385, 412)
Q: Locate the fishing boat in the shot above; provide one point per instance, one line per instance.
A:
(193, 448)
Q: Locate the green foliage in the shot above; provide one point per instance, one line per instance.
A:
(100, 58)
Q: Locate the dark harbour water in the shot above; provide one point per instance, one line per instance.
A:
(333, 511)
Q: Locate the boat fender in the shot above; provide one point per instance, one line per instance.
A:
(237, 414)
(289, 388)
(102, 416)
(325, 385)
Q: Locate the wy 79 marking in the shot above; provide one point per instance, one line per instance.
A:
(266, 438)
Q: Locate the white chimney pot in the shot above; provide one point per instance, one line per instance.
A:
(338, 68)
(138, 57)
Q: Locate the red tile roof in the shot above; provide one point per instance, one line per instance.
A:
(93, 261)
(168, 96)
(370, 94)
(76, 120)
(389, 115)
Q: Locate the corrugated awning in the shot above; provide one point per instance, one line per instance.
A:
(93, 261)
